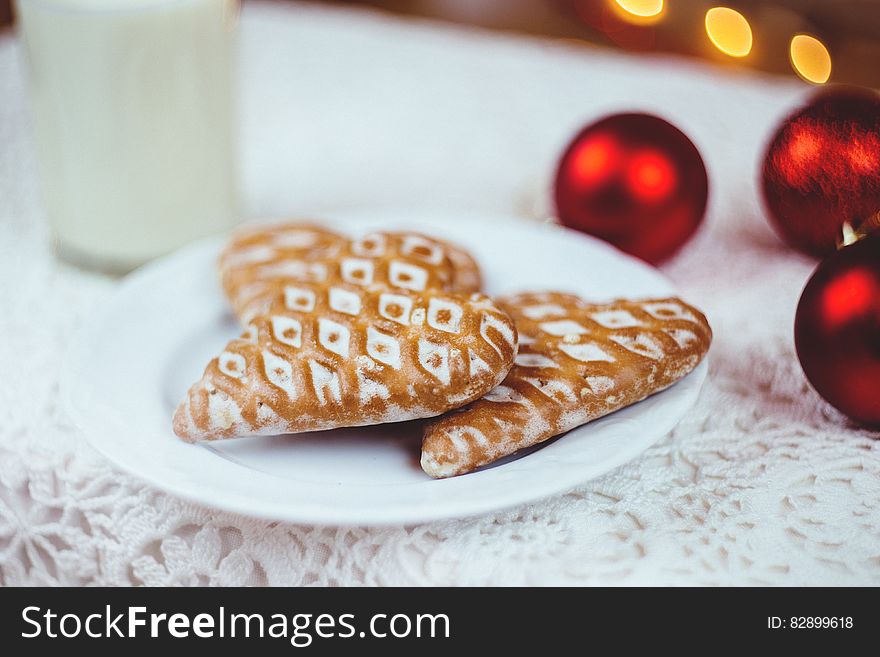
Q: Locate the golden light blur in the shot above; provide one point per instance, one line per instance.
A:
(641, 8)
(639, 12)
(810, 58)
(729, 31)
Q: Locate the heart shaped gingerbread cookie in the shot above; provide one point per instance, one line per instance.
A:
(328, 355)
(260, 260)
(577, 362)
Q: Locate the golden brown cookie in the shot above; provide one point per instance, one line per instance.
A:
(577, 362)
(260, 260)
(466, 272)
(349, 354)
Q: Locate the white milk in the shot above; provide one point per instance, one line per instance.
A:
(133, 109)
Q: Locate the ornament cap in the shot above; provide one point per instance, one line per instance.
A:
(849, 234)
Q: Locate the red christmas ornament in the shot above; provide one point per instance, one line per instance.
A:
(823, 169)
(837, 330)
(634, 180)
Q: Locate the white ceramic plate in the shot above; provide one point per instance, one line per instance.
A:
(136, 356)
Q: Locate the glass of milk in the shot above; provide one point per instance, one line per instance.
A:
(133, 120)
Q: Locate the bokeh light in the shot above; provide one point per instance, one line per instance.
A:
(623, 28)
(729, 31)
(641, 8)
(810, 59)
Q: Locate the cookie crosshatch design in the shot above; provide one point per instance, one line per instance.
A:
(346, 332)
(311, 363)
(260, 260)
(577, 362)
(350, 332)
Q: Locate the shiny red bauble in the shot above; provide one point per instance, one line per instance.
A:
(823, 169)
(837, 330)
(634, 180)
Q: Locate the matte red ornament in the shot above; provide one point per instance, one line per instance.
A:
(634, 180)
(823, 169)
(837, 330)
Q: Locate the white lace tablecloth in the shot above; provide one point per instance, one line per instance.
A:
(761, 483)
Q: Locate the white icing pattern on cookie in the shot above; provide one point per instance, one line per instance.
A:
(586, 361)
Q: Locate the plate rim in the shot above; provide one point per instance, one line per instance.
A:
(324, 515)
